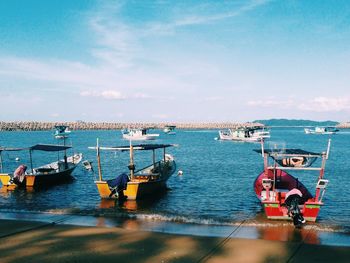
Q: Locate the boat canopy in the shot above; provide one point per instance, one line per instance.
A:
(61, 128)
(8, 149)
(292, 157)
(288, 152)
(139, 147)
(49, 147)
(38, 147)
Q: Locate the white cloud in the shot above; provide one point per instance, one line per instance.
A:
(324, 104)
(318, 104)
(195, 19)
(105, 94)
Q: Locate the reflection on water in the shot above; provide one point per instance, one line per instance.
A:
(107, 203)
(131, 205)
(289, 233)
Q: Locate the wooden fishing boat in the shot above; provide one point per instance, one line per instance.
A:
(138, 135)
(62, 132)
(244, 134)
(136, 184)
(46, 174)
(169, 129)
(321, 130)
(275, 185)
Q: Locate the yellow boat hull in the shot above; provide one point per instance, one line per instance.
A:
(5, 181)
(135, 189)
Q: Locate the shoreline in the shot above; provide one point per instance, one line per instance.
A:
(276, 230)
(59, 240)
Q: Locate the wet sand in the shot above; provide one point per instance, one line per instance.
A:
(34, 241)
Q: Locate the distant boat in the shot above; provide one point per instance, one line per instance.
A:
(147, 181)
(169, 129)
(138, 134)
(321, 130)
(88, 165)
(45, 174)
(244, 134)
(282, 195)
(62, 131)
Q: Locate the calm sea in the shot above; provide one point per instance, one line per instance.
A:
(216, 187)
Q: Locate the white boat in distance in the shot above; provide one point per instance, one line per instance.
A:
(139, 134)
(62, 131)
(245, 134)
(169, 129)
(321, 130)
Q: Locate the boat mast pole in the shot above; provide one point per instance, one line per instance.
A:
(131, 165)
(98, 160)
(1, 162)
(154, 158)
(65, 153)
(328, 148)
(31, 161)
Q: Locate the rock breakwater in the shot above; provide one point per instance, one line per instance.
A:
(42, 126)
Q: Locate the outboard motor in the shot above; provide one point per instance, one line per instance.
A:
(19, 175)
(292, 201)
(118, 185)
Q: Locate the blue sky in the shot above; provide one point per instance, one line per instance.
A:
(174, 61)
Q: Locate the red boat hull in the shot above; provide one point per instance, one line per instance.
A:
(273, 205)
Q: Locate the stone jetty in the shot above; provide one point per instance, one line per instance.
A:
(80, 125)
(344, 125)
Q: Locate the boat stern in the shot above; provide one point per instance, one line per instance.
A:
(6, 182)
(104, 190)
(30, 179)
(310, 210)
(275, 211)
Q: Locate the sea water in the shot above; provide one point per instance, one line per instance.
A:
(216, 187)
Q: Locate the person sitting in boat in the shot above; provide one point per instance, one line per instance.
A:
(19, 174)
(292, 201)
(118, 185)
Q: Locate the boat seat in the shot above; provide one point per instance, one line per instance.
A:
(44, 170)
(272, 195)
(281, 194)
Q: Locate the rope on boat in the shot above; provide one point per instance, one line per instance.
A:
(220, 244)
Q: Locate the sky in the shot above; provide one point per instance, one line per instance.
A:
(174, 61)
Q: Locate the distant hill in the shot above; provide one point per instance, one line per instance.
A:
(286, 122)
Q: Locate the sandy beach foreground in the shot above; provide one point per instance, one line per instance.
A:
(32, 241)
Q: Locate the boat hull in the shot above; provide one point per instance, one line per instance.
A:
(140, 138)
(43, 178)
(273, 203)
(139, 187)
(239, 139)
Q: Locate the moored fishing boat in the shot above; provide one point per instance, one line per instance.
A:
(282, 195)
(136, 184)
(46, 174)
(169, 129)
(321, 130)
(138, 134)
(62, 132)
(244, 134)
